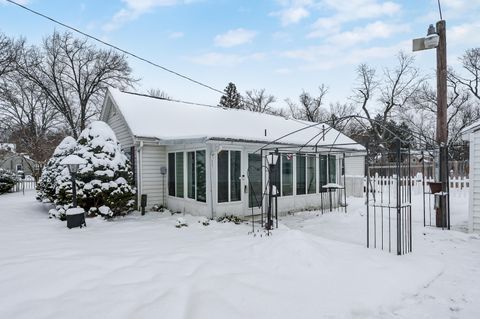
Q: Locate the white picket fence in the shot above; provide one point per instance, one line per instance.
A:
(24, 184)
(459, 186)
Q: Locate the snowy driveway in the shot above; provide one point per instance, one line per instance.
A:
(144, 267)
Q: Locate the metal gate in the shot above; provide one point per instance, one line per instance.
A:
(389, 200)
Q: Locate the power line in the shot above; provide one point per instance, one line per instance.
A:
(116, 47)
(440, 9)
(171, 100)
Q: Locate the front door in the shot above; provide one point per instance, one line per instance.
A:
(254, 182)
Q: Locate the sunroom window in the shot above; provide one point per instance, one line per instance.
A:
(228, 176)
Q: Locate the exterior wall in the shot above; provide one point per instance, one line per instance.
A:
(115, 120)
(474, 203)
(150, 157)
(354, 175)
(10, 161)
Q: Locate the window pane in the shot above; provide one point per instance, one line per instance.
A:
(300, 174)
(179, 173)
(235, 183)
(254, 180)
(311, 174)
(332, 169)
(287, 175)
(201, 176)
(276, 176)
(323, 172)
(222, 176)
(191, 174)
(171, 174)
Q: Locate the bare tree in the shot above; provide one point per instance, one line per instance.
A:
(33, 124)
(471, 64)
(159, 93)
(309, 107)
(73, 75)
(462, 111)
(258, 101)
(396, 87)
(9, 53)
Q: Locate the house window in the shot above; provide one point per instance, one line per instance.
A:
(179, 174)
(228, 176)
(19, 167)
(287, 174)
(311, 174)
(201, 176)
(191, 175)
(171, 174)
(323, 172)
(332, 169)
(195, 175)
(301, 165)
(235, 183)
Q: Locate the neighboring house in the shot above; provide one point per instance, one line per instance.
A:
(211, 156)
(15, 162)
(472, 135)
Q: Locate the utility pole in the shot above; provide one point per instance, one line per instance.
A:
(436, 38)
(442, 126)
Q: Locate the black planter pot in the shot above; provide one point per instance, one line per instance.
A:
(77, 220)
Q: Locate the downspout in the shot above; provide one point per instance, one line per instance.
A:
(140, 177)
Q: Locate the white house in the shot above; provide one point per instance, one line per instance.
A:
(472, 135)
(212, 159)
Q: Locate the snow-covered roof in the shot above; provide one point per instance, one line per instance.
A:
(172, 120)
(471, 127)
(8, 147)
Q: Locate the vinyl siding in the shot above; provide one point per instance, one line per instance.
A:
(475, 182)
(153, 185)
(119, 126)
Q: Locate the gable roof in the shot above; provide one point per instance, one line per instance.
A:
(173, 120)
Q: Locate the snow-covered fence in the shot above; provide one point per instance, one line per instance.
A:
(459, 186)
(28, 183)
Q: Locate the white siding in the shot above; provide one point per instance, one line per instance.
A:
(475, 182)
(115, 120)
(355, 172)
(355, 166)
(153, 184)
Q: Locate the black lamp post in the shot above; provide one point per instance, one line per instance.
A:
(73, 163)
(272, 160)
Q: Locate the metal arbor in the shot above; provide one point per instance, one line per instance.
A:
(389, 200)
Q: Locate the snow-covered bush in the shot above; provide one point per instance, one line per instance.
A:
(104, 183)
(47, 184)
(181, 222)
(7, 181)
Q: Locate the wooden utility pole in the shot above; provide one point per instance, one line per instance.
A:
(442, 126)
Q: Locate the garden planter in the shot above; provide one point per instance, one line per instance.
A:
(75, 218)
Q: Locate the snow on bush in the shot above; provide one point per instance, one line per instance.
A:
(104, 183)
(7, 181)
(46, 189)
(181, 222)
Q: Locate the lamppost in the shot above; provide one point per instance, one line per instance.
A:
(272, 160)
(436, 38)
(73, 163)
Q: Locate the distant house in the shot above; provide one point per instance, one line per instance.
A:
(16, 162)
(472, 135)
(207, 160)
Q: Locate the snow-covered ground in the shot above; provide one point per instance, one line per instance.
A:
(313, 266)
